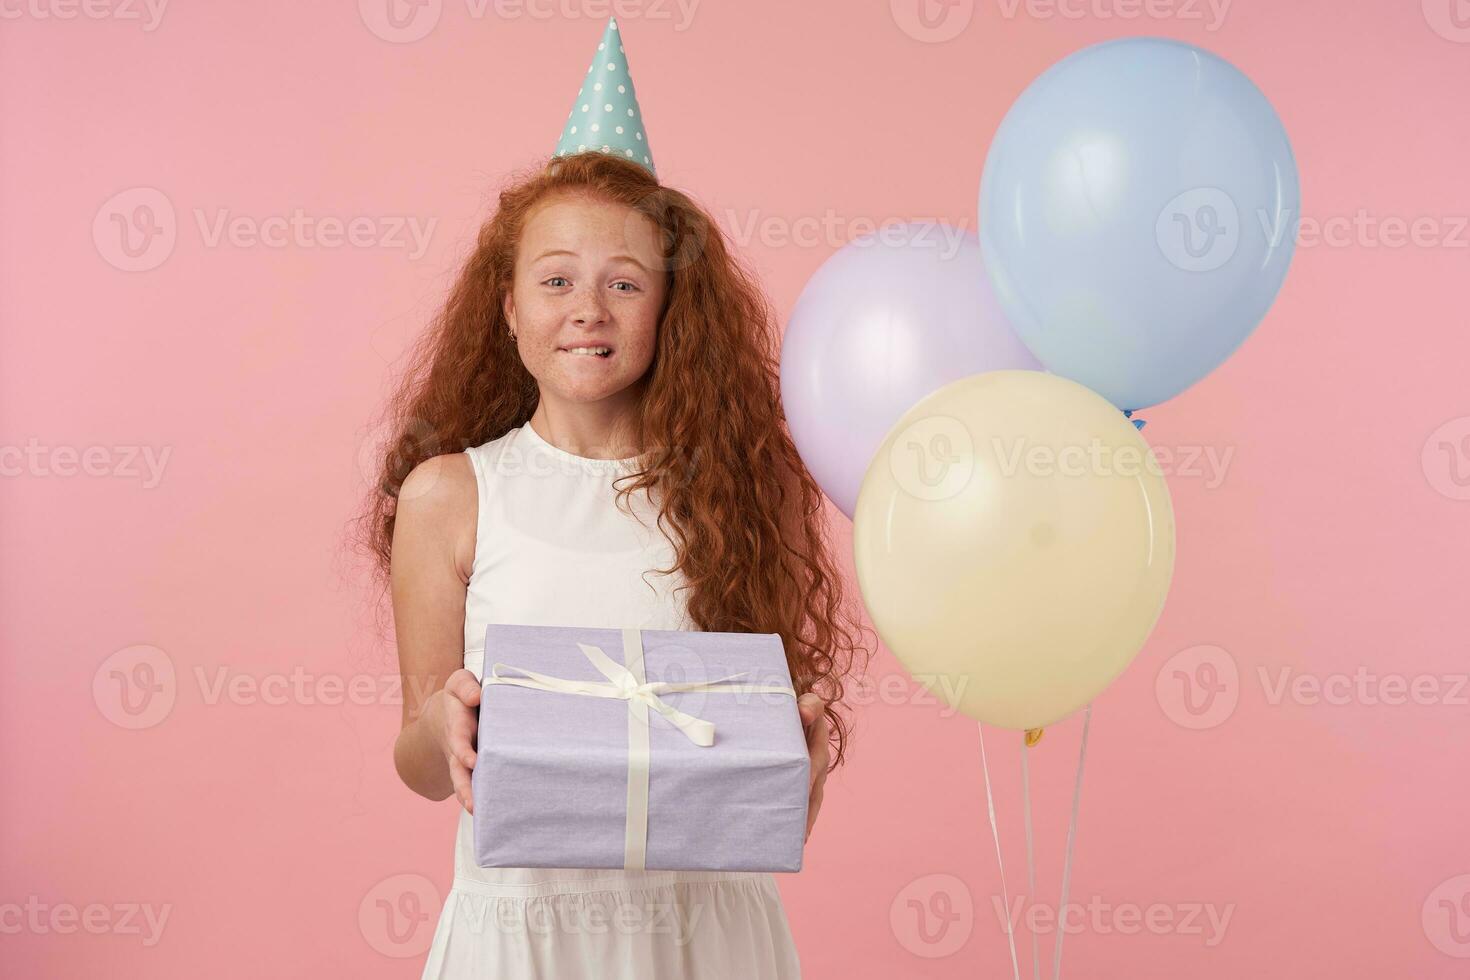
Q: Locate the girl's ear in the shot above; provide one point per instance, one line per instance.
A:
(510, 311)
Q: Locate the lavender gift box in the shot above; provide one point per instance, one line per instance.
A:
(638, 748)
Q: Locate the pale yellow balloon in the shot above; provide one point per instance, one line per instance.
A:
(1014, 543)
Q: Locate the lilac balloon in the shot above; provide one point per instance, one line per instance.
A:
(889, 318)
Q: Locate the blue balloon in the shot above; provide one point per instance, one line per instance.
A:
(1138, 211)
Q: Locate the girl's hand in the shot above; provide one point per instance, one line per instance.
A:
(460, 711)
(814, 720)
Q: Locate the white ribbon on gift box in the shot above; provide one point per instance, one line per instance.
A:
(627, 681)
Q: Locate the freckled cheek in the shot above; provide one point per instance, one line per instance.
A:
(645, 336)
(640, 351)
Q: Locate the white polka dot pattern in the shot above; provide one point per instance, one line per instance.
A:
(599, 109)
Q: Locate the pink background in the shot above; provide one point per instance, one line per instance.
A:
(268, 823)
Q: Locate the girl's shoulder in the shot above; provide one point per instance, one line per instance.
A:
(438, 510)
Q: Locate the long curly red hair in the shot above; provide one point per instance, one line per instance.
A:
(742, 512)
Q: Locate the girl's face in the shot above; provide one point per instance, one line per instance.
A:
(587, 274)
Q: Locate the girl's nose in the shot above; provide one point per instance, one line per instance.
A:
(589, 307)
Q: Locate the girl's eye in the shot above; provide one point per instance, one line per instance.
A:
(557, 280)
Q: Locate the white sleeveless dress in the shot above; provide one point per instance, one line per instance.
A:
(553, 549)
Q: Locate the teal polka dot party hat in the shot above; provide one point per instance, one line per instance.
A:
(606, 116)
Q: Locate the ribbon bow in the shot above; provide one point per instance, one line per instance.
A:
(627, 682)
(623, 683)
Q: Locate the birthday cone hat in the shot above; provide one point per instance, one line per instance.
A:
(606, 116)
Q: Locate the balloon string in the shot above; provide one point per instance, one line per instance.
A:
(995, 835)
(1056, 961)
(1030, 853)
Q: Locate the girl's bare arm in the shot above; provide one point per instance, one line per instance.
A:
(433, 552)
